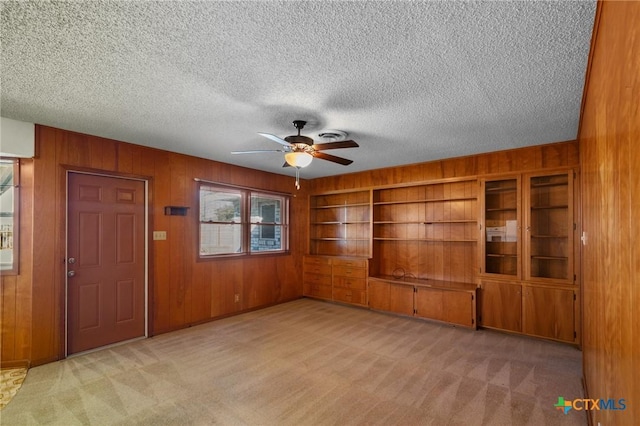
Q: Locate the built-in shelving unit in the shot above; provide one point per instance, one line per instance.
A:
(436, 249)
(426, 231)
(340, 224)
(527, 274)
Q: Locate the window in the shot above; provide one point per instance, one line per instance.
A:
(9, 174)
(267, 228)
(241, 221)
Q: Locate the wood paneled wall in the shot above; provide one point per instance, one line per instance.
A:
(610, 161)
(563, 154)
(183, 291)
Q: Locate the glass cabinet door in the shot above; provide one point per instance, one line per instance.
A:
(549, 226)
(501, 251)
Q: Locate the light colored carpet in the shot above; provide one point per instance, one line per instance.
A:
(10, 381)
(309, 363)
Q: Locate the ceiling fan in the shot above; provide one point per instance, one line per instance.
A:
(300, 150)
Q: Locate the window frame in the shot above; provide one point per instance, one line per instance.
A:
(15, 232)
(246, 223)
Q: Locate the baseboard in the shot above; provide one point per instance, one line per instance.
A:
(21, 363)
(219, 317)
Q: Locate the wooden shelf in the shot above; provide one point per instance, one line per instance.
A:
(497, 190)
(428, 240)
(334, 206)
(427, 200)
(341, 223)
(425, 282)
(549, 257)
(549, 184)
(549, 207)
(423, 222)
(433, 222)
(502, 209)
(339, 239)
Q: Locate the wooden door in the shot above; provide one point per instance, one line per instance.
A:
(401, 299)
(379, 295)
(501, 224)
(501, 305)
(430, 303)
(549, 312)
(105, 261)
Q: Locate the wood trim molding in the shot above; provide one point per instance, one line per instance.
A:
(587, 77)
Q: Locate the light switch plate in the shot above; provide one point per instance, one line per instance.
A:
(159, 235)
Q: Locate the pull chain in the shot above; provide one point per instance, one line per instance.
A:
(298, 178)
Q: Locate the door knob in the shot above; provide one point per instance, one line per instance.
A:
(71, 273)
(72, 260)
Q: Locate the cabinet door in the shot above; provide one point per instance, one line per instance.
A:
(379, 295)
(501, 227)
(456, 307)
(549, 312)
(401, 299)
(459, 308)
(501, 305)
(430, 303)
(548, 206)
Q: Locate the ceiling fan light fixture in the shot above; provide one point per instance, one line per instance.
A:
(298, 159)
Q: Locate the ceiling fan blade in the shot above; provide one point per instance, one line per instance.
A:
(335, 145)
(258, 151)
(275, 138)
(286, 164)
(333, 158)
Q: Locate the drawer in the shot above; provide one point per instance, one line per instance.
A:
(350, 263)
(317, 279)
(316, 290)
(350, 296)
(314, 260)
(352, 283)
(317, 269)
(347, 271)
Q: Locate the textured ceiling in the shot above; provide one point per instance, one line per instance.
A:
(409, 81)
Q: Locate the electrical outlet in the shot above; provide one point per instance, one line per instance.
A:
(237, 298)
(159, 235)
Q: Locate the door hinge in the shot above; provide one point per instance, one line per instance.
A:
(415, 312)
(574, 175)
(415, 289)
(575, 226)
(575, 335)
(574, 279)
(472, 297)
(574, 296)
